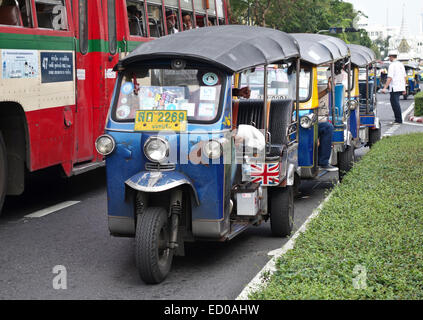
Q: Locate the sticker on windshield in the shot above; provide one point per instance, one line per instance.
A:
(123, 112)
(206, 110)
(210, 79)
(127, 88)
(190, 107)
(208, 93)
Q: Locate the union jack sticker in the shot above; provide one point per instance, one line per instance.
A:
(266, 174)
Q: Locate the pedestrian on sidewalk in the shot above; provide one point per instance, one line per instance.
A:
(396, 83)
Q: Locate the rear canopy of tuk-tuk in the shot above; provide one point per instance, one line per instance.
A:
(318, 49)
(231, 48)
(361, 56)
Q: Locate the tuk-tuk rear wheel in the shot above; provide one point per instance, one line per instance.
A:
(152, 253)
(374, 136)
(345, 161)
(282, 211)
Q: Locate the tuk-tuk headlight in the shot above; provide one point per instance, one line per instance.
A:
(156, 149)
(105, 144)
(307, 121)
(212, 149)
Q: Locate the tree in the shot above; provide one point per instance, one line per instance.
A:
(309, 16)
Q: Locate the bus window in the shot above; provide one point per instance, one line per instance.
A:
(51, 14)
(111, 12)
(155, 19)
(15, 13)
(211, 22)
(136, 18)
(187, 14)
(200, 20)
(187, 20)
(83, 26)
(220, 12)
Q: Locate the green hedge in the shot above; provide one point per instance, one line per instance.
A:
(371, 227)
(418, 109)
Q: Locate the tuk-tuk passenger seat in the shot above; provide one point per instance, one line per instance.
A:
(250, 112)
(362, 89)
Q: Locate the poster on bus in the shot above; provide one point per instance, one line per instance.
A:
(56, 67)
(19, 64)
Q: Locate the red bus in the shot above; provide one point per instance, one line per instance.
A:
(56, 76)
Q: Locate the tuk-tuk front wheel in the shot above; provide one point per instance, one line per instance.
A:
(152, 253)
(282, 211)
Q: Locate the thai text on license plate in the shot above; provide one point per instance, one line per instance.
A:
(157, 120)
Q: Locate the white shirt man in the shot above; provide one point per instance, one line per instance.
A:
(397, 73)
(396, 83)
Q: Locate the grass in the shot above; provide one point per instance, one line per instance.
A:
(367, 242)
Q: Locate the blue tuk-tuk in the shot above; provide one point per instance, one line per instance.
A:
(322, 60)
(365, 124)
(181, 166)
(413, 81)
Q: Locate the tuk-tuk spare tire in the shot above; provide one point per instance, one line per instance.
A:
(282, 211)
(152, 253)
(3, 171)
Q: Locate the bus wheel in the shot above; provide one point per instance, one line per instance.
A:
(152, 253)
(3, 171)
(374, 136)
(282, 211)
(345, 161)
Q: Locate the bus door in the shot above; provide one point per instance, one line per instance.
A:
(87, 80)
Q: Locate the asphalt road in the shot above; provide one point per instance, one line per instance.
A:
(102, 267)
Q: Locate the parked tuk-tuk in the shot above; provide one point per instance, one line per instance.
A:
(323, 58)
(187, 162)
(365, 125)
(413, 83)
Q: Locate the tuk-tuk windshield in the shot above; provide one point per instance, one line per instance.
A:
(196, 91)
(410, 72)
(280, 83)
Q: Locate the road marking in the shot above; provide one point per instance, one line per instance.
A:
(391, 130)
(49, 210)
(395, 127)
(270, 267)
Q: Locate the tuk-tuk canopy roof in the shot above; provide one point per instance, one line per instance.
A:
(412, 66)
(233, 48)
(319, 49)
(361, 56)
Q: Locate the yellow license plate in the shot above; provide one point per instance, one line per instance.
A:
(157, 120)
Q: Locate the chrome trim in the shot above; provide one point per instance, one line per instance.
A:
(149, 166)
(165, 187)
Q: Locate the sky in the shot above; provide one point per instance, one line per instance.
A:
(376, 10)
